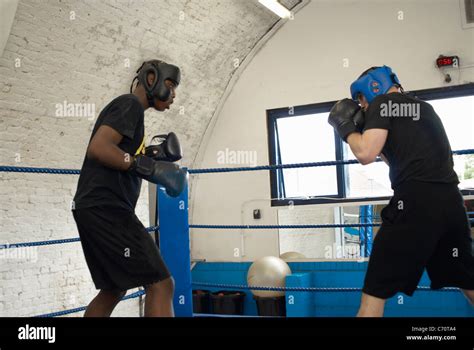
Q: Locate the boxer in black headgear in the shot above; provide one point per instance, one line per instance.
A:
(166, 78)
(119, 252)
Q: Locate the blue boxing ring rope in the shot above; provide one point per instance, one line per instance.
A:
(174, 236)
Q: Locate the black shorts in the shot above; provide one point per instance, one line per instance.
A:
(119, 252)
(424, 226)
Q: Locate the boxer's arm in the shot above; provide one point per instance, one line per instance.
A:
(367, 146)
(104, 149)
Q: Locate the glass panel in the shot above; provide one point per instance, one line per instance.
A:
(303, 139)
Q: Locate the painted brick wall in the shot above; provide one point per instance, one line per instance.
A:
(86, 52)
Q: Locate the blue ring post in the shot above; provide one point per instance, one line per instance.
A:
(174, 246)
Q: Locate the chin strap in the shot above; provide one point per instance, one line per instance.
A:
(151, 99)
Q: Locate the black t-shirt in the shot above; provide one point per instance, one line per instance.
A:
(100, 185)
(417, 147)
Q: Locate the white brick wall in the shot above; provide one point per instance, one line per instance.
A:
(75, 51)
(312, 243)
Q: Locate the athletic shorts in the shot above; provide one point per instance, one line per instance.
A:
(425, 225)
(119, 252)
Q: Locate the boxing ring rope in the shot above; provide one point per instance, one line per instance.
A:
(303, 289)
(212, 170)
(297, 165)
(83, 308)
(57, 241)
(219, 227)
(14, 169)
(222, 227)
(273, 227)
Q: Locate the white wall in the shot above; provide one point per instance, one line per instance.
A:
(303, 64)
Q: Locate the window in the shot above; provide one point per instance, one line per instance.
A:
(366, 180)
(298, 140)
(302, 134)
(457, 115)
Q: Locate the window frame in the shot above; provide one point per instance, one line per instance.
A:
(272, 116)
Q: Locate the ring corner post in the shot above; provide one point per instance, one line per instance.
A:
(175, 247)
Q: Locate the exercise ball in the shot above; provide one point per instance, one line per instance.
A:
(292, 255)
(269, 271)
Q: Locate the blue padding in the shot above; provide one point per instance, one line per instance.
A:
(174, 246)
(342, 304)
(299, 304)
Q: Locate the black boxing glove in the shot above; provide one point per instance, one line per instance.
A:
(169, 175)
(341, 117)
(169, 150)
(359, 120)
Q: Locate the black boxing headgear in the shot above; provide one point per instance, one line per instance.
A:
(158, 89)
